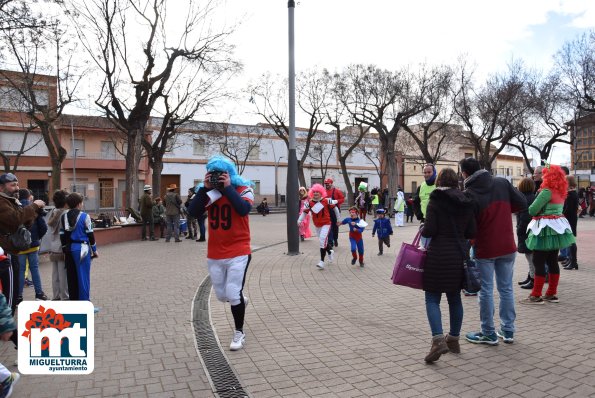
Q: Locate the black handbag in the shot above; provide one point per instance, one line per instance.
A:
(471, 276)
(21, 238)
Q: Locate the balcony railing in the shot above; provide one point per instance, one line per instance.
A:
(97, 156)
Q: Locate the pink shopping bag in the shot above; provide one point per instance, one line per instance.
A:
(409, 267)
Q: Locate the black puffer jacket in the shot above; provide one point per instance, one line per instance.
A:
(443, 271)
(571, 209)
(523, 218)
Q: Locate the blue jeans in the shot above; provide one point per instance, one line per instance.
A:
(503, 268)
(565, 252)
(455, 307)
(33, 267)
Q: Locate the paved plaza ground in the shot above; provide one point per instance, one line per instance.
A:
(340, 332)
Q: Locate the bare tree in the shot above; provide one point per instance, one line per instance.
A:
(494, 114)
(348, 135)
(40, 54)
(188, 95)
(576, 62)
(20, 14)
(386, 101)
(137, 73)
(269, 98)
(238, 143)
(547, 123)
(433, 134)
(322, 150)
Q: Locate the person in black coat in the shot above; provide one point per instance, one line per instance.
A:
(570, 212)
(523, 218)
(449, 222)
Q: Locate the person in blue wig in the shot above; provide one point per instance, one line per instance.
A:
(227, 198)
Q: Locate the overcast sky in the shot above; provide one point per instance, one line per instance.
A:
(392, 33)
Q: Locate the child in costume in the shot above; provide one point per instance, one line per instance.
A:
(321, 207)
(305, 225)
(356, 227)
(78, 245)
(383, 228)
(362, 200)
(228, 199)
(548, 232)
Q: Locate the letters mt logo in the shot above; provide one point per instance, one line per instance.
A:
(56, 337)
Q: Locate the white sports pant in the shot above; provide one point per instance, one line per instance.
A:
(323, 235)
(399, 219)
(227, 277)
(4, 373)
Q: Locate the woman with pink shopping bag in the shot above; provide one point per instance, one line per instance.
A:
(449, 222)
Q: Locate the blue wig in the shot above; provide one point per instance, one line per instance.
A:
(220, 163)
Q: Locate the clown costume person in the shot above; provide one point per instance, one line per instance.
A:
(547, 233)
(356, 227)
(228, 198)
(321, 208)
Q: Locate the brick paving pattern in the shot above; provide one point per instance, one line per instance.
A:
(340, 332)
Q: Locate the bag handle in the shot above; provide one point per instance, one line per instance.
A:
(417, 238)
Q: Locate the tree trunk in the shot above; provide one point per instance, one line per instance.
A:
(348, 187)
(156, 177)
(56, 180)
(388, 147)
(133, 155)
(301, 175)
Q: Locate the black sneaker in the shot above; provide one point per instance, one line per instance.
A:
(353, 260)
(19, 300)
(41, 297)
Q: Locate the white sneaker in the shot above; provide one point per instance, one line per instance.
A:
(331, 256)
(238, 341)
(320, 264)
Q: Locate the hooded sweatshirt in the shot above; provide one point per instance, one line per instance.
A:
(494, 200)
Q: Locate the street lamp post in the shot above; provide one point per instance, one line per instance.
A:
(276, 188)
(293, 239)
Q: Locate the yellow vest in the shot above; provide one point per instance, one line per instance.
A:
(424, 196)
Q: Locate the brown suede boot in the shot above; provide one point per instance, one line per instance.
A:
(452, 342)
(438, 348)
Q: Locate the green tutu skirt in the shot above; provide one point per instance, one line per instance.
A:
(548, 239)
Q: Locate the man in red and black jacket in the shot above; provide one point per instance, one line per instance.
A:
(494, 200)
(335, 194)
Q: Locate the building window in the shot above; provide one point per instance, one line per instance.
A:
(169, 147)
(519, 171)
(254, 153)
(413, 187)
(256, 187)
(108, 150)
(468, 155)
(198, 147)
(78, 147)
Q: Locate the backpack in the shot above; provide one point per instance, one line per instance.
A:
(21, 238)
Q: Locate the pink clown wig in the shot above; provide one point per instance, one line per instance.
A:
(317, 188)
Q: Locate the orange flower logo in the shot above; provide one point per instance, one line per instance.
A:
(43, 319)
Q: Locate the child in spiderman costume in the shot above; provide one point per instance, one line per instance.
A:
(356, 227)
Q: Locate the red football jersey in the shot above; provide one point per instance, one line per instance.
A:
(323, 217)
(229, 233)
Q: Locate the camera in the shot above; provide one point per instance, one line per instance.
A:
(214, 179)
